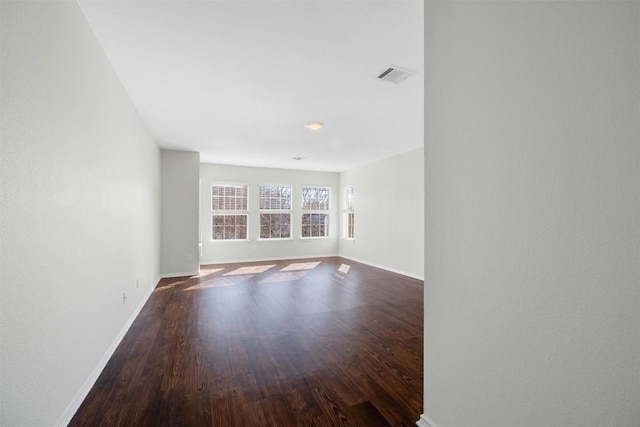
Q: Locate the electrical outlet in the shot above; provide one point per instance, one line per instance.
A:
(124, 297)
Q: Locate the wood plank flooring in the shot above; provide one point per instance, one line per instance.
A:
(313, 342)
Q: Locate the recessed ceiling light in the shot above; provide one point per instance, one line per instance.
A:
(314, 125)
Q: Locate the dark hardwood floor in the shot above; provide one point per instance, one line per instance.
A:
(282, 343)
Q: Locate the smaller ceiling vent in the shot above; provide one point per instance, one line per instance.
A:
(395, 74)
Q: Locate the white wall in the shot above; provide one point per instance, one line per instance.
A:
(389, 213)
(80, 210)
(254, 248)
(180, 204)
(532, 184)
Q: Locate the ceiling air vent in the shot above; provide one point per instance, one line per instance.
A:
(395, 74)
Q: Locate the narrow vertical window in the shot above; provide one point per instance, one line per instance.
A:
(229, 212)
(275, 211)
(315, 211)
(349, 214)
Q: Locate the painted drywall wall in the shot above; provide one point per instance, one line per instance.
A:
(389, 213)
(254, 248)
(532, 208)
(179, 217)
(80, 210)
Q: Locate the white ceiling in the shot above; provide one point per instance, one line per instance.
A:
(237, 80)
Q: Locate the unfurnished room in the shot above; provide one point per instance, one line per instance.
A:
(319, 213)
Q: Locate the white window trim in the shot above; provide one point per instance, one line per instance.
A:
(227, 212)
(276, 211)
(326, 212)
(346, 212)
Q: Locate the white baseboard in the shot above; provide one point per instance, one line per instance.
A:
(74, 405)
(384, 267)
(183, 274)
(425, 422)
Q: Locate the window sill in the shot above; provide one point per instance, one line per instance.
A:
(275, 239)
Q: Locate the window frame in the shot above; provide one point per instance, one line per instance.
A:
(309, 211)
(229, 212)
(275, 211)
(349, 213)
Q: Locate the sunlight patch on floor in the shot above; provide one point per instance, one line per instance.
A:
(219, 282)
(170, 285)
(301, 266)
(341, 274)
(207, 271)
(289, 276)
(253, 269)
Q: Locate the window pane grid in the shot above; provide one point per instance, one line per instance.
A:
(349, 221)
(315, 205)
(315, 198)
(229, 227)
(315, 225)
(229, 204)
(349, 216)
(275, 211)
(228, 197)
(275, 226)
(350, 196)
(275, 197)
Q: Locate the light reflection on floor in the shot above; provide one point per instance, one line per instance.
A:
(254, 269)
(342, 271)
(301, 266)
(284, 277)
(208, 271)
(220, 281)
(170, 285)
(290, 273)
(344, 268)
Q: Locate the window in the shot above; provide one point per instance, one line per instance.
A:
(315, 211)
(275, 211)
(348, 213)
(229, 212)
